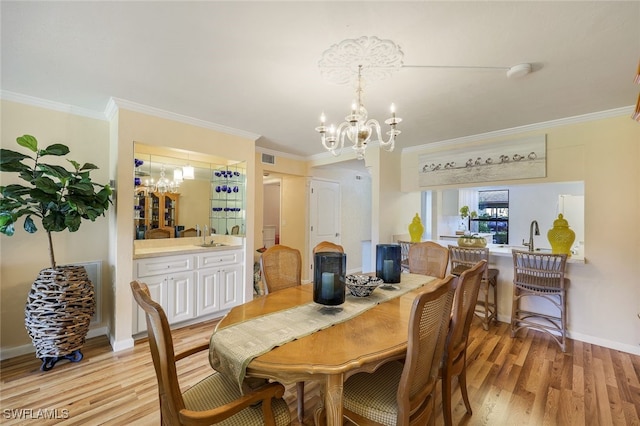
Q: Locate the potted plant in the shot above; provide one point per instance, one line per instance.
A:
(61, 301)
(466, 213)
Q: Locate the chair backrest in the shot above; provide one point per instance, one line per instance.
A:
(156, 233)
(281, 267)
(162, 352)
(428, 258)
(463, 308)
(463, 258)
(539, 270)
(428, 326)
(191, 232)
(327, 246)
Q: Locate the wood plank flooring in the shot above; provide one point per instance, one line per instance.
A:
(523, 381)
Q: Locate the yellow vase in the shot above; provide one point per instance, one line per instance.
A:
(561, 236)
(416, 229)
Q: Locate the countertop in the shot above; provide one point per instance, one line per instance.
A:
(143, 249)
(504, 250)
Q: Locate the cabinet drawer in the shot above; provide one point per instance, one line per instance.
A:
(164, 265)
(224, 257)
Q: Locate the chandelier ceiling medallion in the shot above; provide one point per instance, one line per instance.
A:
(356, 61)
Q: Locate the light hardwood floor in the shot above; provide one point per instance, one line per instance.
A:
(522, 381)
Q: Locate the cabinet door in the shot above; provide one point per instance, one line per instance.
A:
(181, 296)
(231, 290)
(208, 291)
(158, 290)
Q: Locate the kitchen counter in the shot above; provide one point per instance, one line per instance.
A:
(504, 250)
(143, 249)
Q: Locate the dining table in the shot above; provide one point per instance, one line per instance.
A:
(358, 336)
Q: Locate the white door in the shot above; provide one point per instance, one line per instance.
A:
(324, 214)
(208, 298)
(180, 297)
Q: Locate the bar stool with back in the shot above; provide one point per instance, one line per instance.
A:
(463, 258)
(538, 275)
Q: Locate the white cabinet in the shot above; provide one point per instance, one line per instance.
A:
(191, 286)
(219, 281)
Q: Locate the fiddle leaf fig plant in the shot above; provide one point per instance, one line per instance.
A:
(60, 197)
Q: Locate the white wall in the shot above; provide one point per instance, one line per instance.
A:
(604, 295)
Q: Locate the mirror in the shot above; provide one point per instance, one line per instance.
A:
(179, 193)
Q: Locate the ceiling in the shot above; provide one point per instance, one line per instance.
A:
(253, 66)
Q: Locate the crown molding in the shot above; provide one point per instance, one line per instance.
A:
(617, 112)
(116, 103)
(280, 154)
(52, 105)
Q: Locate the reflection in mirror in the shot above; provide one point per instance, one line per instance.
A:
(179, 193)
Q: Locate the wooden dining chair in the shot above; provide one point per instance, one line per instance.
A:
(428, 258)
(215, 398)
(454, 361)
(157, 233)
(328, 246)
(191, 232)
(463, 258)
(403, 393)
(281, 267)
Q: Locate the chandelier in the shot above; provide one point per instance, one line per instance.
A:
(354, 57)
(163, 184)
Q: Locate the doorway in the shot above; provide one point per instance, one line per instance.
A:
(271, 210)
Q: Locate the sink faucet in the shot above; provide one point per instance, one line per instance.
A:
(533, 229)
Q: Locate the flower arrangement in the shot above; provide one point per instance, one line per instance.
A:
(466, 213)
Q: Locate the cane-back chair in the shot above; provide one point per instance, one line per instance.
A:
(403, 393)
(463, 258)
(216, 399)
(454, 361)
(428, 258)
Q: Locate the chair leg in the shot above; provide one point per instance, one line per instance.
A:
(300, 395)
(487, 313)
(514, 310)
(462, 381)
(446, 398)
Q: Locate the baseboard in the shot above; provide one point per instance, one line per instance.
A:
(585, 338)
(121, 345)
(7, 353)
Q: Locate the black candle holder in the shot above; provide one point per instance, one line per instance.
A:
(329, 278)
(388, 262)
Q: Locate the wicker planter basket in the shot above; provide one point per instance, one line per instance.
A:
(58, 311)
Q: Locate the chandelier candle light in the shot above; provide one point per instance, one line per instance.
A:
(377, 58)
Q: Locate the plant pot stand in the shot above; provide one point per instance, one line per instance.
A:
(58, 312)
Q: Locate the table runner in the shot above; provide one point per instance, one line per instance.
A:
(232, 348)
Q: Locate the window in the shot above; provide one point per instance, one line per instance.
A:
(493, 215)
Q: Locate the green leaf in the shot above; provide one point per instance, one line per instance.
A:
(53, 170)
(54, 222)
(28, 142)
(56, 149)
(38, 196)
(46, 185)
(8, 156)
(8, 229)
(29, 225)
(73, 221)
(75, 164)
(81, 188)
(89, 166)
(15, 191)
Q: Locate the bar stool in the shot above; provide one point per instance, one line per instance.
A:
(463, 258)
(404, 255)
(542, 276)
